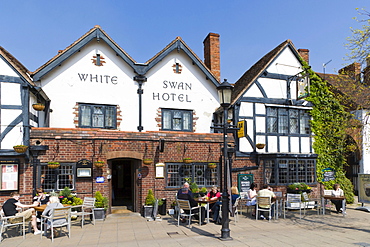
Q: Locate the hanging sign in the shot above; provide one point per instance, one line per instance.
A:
(244, 183)
(242, 131)
(329, 174)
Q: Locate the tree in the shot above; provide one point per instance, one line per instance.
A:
(359, 43)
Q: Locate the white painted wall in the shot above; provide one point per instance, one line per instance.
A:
(65, 88)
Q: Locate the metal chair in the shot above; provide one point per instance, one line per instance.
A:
(293, 201)
(59, 217)
(12, 221)
(310, 202)
(87, 208)
(235, 209)
(184, 205)
(264, 204)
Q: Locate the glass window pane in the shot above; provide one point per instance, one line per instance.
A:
(293, 121)
(271, 120)
(166, 116)
(187, 121)
(110, 116)
(85, 113)
(176, 121)
(97, 117)
(305, 123)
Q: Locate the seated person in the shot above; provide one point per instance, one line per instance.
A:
(54, 203)
(337, 192)
(41, 199)
(216, 207)
(266, 192)
(214, 194)
(185, 194)
(186, 187)
(252, 196)
(10, 209)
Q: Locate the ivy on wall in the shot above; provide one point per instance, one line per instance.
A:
(328, 124)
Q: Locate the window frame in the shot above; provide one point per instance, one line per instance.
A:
(165, 111)
(105, 109)
(284, 171)
(179, 171)
(55, 176)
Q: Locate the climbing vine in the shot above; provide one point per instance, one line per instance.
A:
(328, 124)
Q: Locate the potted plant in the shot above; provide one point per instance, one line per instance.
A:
(20, 148)
(260, 145)
(147, 161)
(38, 106)
(203, 191)
(187, 160)
(101, 206)
(53, 164)
(149, 204)
(194, 189)
(298, 188)
(212, 165)
(99, 163)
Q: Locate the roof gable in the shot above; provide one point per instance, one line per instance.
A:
(16, 66)
(259, 68)
(94, 33)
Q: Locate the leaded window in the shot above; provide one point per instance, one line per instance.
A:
(97, 116)
(178, 120)
(287, 121)
(56, 179)
(178, 173)
(286, 171)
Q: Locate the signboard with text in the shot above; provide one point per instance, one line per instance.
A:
(364, 188)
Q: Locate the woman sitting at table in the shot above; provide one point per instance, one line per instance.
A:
(216, 206)
(54, 203)
(214, 194)
(40, 199)
(337, 192)
(252, 197)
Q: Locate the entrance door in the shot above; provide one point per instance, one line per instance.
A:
(123, 189)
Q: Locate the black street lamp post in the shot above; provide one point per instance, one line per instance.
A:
(224, 93)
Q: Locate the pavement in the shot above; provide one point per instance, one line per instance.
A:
(130, 229)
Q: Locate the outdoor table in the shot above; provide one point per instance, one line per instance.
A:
(343, 199)
(41, 208)
(279, 200)
(201, 200)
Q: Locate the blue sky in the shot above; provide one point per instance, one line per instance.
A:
(33, 31)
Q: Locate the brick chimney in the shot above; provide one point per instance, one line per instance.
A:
(305, 54)
(212, 54)
(353, 70)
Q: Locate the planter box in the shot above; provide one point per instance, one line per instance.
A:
(147, 211)
(99, 213)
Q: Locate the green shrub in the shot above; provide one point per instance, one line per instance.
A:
(101, 201)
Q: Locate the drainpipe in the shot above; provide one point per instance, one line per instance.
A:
(140, 79)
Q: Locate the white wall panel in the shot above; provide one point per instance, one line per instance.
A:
(245, 145)
(246, 109)
(274, 88)
(272, 144)
(286, 63)
(10, 93)
(253, 91)
(14, 137)
(260, 108)
(5, 69)
(294, 144)
(284, 144)
(260, 124)
(305, 144)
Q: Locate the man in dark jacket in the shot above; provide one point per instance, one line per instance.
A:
(185, 194)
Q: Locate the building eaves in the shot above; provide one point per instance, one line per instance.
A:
(179, 44)
(256, 70)
(18, 66)
(62, 55)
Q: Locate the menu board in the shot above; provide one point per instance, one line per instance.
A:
(364, 188)
(244, 183)
(9, 176)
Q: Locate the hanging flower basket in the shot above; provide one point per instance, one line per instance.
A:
(260, 145)
(187, 160)
(99, 164)
(38, 106)
(147, 161)
(212, 165)
(53, 165)
(20, 148)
